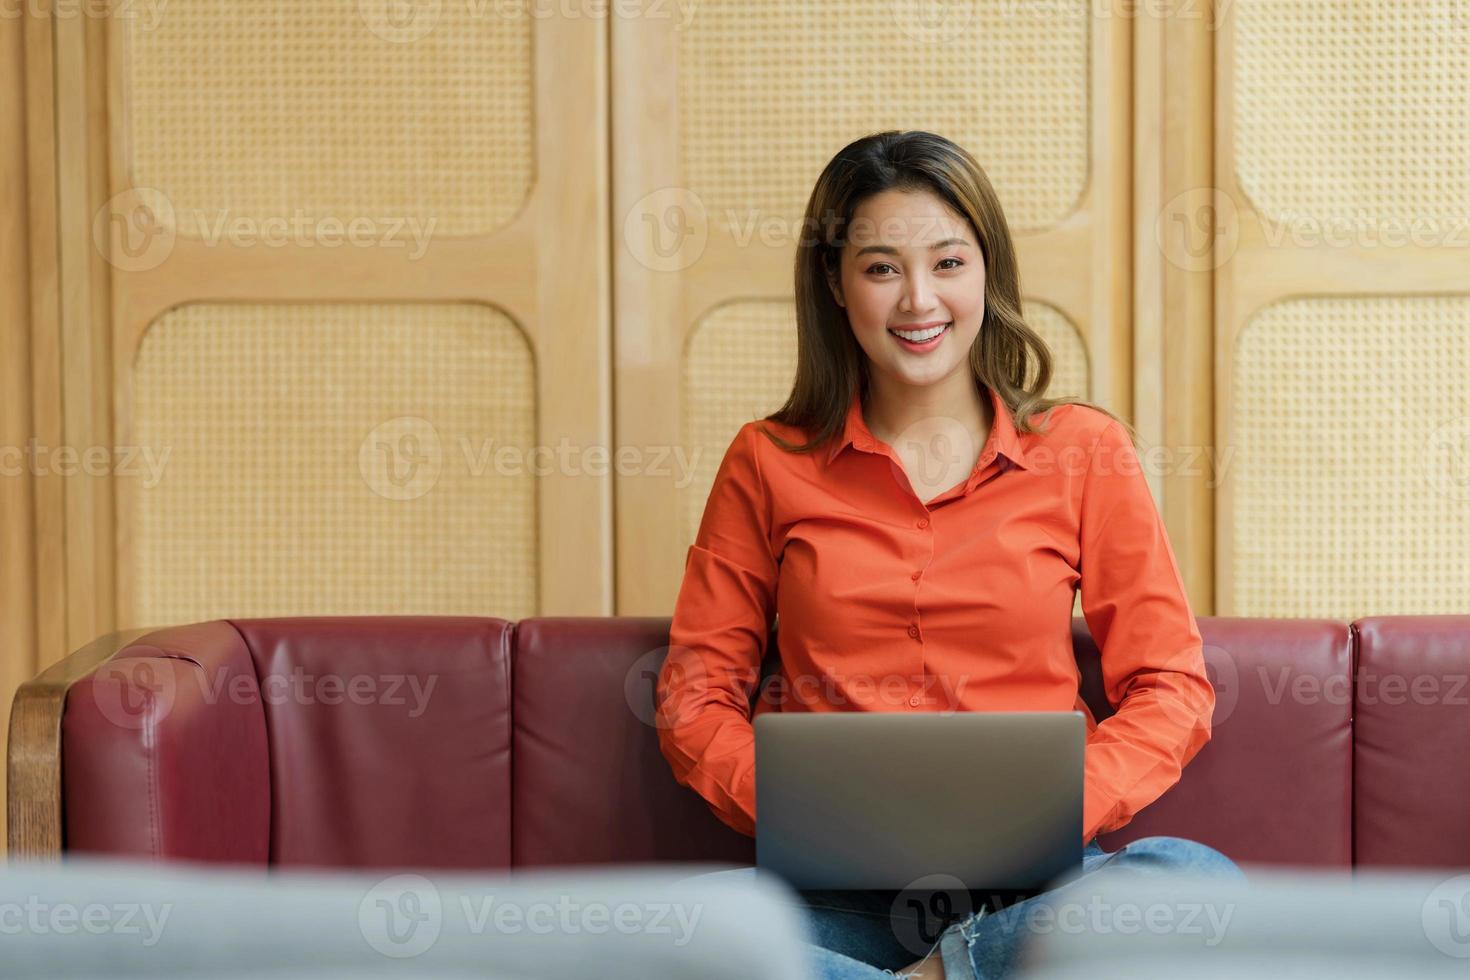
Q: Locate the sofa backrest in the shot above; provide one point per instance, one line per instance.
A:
(1274, 782)
(1273, 785)
(591, 785)
(1411, 741)
(399, 735)
(471, 742)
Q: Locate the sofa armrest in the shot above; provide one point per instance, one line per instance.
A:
(33, 757)
(151, 744)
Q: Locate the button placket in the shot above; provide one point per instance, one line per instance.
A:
(922, 523)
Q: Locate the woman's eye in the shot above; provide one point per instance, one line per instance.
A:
(876, 269)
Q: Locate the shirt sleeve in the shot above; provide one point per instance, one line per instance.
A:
(717, 640)
(1136, 608)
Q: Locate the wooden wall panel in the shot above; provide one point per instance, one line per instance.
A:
(718, 139)
(1175, 223)
(1341, 308)
(86, 349)
(118, 134)
(473, 148)
(49, 537)
(17, 503)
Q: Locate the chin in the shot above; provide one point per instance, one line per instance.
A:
(927, 377)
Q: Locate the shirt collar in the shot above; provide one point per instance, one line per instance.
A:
(1004, 439)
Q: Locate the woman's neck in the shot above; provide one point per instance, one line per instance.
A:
(891, 408)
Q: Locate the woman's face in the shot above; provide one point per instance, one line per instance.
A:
(911, 263)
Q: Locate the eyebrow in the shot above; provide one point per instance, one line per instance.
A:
(890, 250)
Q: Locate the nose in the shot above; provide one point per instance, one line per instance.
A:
(918, 294)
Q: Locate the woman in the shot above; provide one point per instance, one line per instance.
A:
(922, 536)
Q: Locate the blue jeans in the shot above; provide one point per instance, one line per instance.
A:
(863, 934)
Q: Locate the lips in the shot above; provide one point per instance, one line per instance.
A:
(916, 327)
(922, 346)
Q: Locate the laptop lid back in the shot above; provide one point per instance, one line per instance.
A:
(882, 799)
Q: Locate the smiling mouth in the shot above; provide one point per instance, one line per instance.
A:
(930, 336)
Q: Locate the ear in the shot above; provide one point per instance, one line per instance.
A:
(836, 287)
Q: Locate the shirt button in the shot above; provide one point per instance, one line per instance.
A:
(923, 522)
(913, 631)
(915, 576)
(914, 700)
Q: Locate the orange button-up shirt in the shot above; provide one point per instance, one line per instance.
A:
(963, 603)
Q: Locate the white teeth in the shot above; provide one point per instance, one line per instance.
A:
(919, 336)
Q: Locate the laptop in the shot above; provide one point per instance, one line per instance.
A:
(881, 800)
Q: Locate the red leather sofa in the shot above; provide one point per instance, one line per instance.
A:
(475, 743)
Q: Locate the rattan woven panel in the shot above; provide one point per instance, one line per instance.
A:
(1353, 111)
(740, 363)
(1347, 470)
(1069, 365)
(1069, 361)
(769, 91)
(334, 459)
(260, 109)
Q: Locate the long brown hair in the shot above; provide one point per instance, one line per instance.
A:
(829, 362)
